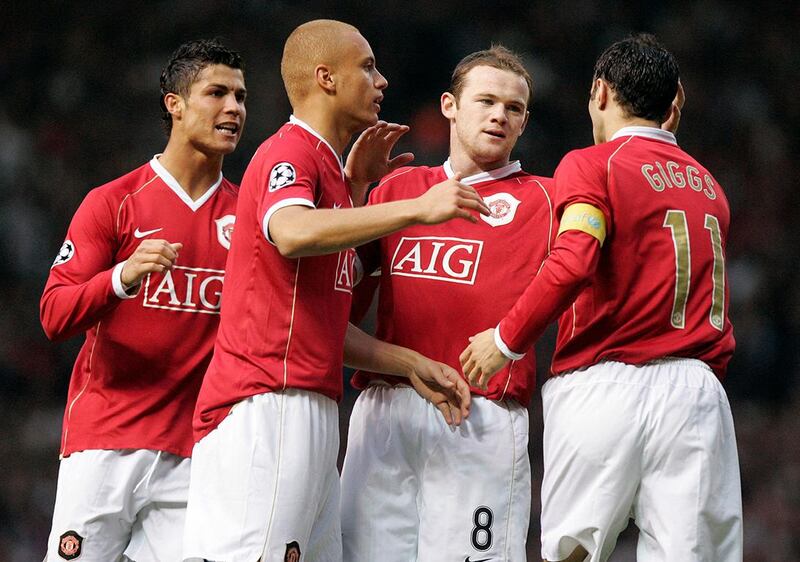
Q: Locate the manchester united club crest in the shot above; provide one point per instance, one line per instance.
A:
(69, 545)
(503, 207)
(225, 230)
(282, 175)
(292, 552)
(64, 254)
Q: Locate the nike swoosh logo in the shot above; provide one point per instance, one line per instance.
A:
(468, 559)
(139, 234)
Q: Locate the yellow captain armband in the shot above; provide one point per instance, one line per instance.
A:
(586, 218)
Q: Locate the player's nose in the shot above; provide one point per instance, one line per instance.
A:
(499, 114)
(233, 105)
(381, 83)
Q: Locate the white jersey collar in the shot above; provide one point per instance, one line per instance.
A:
(173, 184)
(648, 132)
(496, 174)
(303, 125)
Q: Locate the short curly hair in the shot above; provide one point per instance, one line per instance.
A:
(186, 64)
(643, 75)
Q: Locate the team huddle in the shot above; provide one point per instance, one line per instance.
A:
(202, 422)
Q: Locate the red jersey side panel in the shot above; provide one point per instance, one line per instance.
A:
(441, 284)
(660, 288)
(284, 319)
(137, 376)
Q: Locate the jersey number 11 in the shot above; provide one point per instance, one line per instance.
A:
(675, 220)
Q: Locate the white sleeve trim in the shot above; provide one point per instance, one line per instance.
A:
(278, 206)
(501, 345)
(119, 286)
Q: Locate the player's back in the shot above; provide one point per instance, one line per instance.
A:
(660, 287)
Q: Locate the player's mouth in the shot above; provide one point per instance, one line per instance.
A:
(376, 103)
(228, 129)
(496, 133)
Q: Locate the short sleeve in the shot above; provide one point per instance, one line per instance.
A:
(287, 175)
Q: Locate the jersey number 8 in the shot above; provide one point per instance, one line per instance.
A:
(482, 531)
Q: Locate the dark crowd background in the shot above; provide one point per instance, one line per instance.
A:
(79, 107)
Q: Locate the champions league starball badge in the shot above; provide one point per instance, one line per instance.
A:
(282, 175)
(64, 254)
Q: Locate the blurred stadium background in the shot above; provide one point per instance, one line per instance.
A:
(79, 106)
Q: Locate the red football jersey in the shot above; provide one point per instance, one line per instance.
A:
(441, 284)
(284, 320)
(137, 376)
(660, 288)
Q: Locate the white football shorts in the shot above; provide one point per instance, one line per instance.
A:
(654, 443)
(264, 483)
(414, 489)
(111, 503)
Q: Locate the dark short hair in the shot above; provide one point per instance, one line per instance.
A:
(186, 64)
(497, 56)
(643, 75)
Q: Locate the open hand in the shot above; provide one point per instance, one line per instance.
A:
(369, 159)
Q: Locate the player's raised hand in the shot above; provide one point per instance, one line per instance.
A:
(482, 359)
(674, 119)
(450, 199)
(369, 159)
(442, 386)
(152, 256)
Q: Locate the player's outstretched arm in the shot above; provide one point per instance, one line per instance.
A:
(438, 383)
(300, 231)
(566, 271)
(369, 159)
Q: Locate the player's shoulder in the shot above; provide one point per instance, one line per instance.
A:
(528, 179)
(118, 189)
(228, 188)
(408, 181)
(591, 158)
(294, 138)
(292, 144)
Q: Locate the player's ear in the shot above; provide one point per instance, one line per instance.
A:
(174, 104)
(525, 122)
(448, 105)
(601, 91)
(325, 79)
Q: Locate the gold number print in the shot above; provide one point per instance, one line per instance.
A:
(717, 314)
(675, 220)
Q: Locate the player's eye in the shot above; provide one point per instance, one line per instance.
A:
(485, 101)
